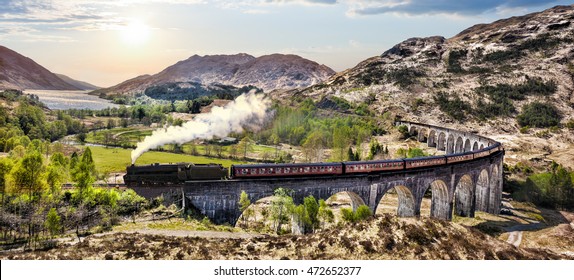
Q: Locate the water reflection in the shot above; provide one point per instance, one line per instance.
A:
(64, 99)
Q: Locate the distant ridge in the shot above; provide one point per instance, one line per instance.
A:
(268, 72)
(20, 72)
(79, 84)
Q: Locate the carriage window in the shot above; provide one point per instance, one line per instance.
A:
(287, 169)
(330, 168)
(270, 170)
(253, 171)
(307, 169)
(243, 171)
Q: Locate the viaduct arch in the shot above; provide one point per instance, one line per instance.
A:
(462, 187)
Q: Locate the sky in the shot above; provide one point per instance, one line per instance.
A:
(105, 42)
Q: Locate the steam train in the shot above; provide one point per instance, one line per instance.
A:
(181, 172)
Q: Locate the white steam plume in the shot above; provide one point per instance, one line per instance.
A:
(246, 110)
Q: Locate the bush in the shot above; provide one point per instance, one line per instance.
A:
(404, 77)
(570, 124)
(538, 114)
(363, 212)
(454, 61)
(454, 107)
(553, 189)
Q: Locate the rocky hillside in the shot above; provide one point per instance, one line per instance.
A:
(269, 72)
(20, 72)
(491, 70)
(512, 79)
(384, 237)
(79, 84)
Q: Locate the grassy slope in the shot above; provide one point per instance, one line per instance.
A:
(116, 159)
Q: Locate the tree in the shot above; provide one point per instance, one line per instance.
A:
(312, 210)
(27, 174)
(111, 124)
(560, 188)
(281, 208)
(53, 222)
(81, 137)
(55, 176)
(275, 140)
(244, 203)
(245, 146)
(324, 214)
(84, 175)
(342, 139)
(233, 151)
(313, 146)
(5, 168)
(265, 156)
(193, 149)
(219, 150)
(300, 220)
(207, 149)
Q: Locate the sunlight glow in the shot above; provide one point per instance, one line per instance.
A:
(135, 33)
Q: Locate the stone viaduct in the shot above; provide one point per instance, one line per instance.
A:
(460, 188)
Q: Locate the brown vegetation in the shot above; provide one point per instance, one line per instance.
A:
(385, 237)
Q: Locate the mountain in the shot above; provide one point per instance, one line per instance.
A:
(512, 80)
(20, 72)
(485, 75)
(269, 72)
(78, 84)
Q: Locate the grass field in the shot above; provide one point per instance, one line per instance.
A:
(130, 135)
(116, 159)
(133, 135)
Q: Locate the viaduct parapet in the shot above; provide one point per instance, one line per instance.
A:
(459, 188)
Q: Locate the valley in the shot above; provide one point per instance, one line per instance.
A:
(511, 80)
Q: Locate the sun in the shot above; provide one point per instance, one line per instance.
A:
(135, 33)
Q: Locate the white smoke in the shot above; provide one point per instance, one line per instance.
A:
(247, 110)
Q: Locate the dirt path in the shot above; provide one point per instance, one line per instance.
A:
(515, 238)
(515, 232)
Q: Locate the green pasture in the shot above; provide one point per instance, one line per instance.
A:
(122, 135)
(133, 135)
(116, 159)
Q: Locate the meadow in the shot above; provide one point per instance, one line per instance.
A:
(110, 160)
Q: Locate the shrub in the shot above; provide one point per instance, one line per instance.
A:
(404, 130)
(404, 77)
(363, 212)
(524, 129)
(454, 107)
(538, 114)
(454, 61)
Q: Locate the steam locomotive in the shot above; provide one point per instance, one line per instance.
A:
(181, 172)
(172, 173)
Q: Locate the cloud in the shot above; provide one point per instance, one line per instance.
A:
(82, 15)
(423, 7)
(304, 2)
